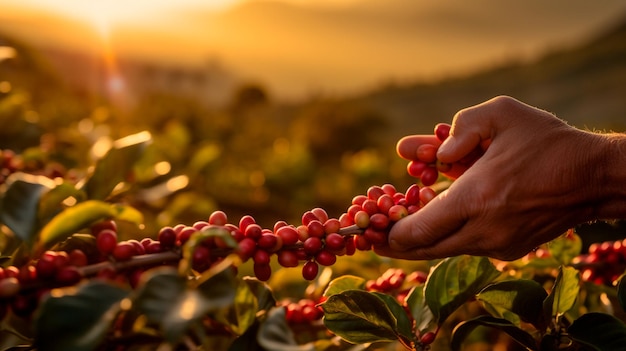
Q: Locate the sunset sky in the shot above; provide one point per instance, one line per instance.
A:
(296, 47)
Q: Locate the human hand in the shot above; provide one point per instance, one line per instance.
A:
(534, 181)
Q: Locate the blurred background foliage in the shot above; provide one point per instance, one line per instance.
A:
(272, 159)
(251, 156)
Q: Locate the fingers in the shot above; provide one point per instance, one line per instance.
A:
(428, 226)
(407, 149)
(474, 128)
(407, 146)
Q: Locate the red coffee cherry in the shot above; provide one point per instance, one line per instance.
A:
(427, 153)
(442, 131)
(287, 258)
(335, 242)
(106, 241)
(416, 168)
(326, 258)
(288, 234)
(310, 270)
(429, 176)
(167, 237)
(263, 272)
(312, 245)
(218, 218)
(123, 251)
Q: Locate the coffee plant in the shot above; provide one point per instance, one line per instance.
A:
(72, 278)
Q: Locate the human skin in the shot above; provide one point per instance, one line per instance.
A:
(537, 178)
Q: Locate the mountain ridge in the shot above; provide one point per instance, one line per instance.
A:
(582, 84)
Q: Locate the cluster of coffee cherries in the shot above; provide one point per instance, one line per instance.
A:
(302, 311)
(22, 286)
(604, 263)
(426, 166)
(10, 163)
(396, 282)
(318, 239)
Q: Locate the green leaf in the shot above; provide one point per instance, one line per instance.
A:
(159, 289)
(20, 204)
(218, 284)
(262, 292)
(463, 330)
(274, 334)
(404, 325)
(563, 294)
(116, 165)
(359, 317)
(454, 281)
(516, 301)
(77, 319)
(422, 315)
(565, 247)
(621, 292)
(248, 340)
(51, 202)
(601, 330)
(343, 283)
(81, 216)
(167, 300)
(242, 314)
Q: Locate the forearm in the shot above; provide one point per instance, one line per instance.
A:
(611, 201)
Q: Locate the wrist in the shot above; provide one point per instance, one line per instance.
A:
(611, 183)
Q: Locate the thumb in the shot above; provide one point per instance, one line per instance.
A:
(473, 129)
(427, 226)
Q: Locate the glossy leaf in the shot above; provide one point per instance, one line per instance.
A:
(600, 330)
(161, 288)
(247, 341)
(218, 284)
(77, 319)
(563, 294)
(456, 280)
(262, 292)
(20, 204)
(80, 216)
(422, 315)
(51, 202)
(241, 315)
(404, 325)
(359, 317)
(167, 300)
(565, 247)
(463, 330)
(621, 292)
(343, 283)
(276, 335)
(516, 301)
(114, 167)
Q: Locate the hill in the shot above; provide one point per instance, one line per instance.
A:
(583, 85)
(299, 48)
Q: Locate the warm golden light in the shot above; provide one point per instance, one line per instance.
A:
(301, 47)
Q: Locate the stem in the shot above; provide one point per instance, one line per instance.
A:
(351, 230)
(172, 256)
(136, 261)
